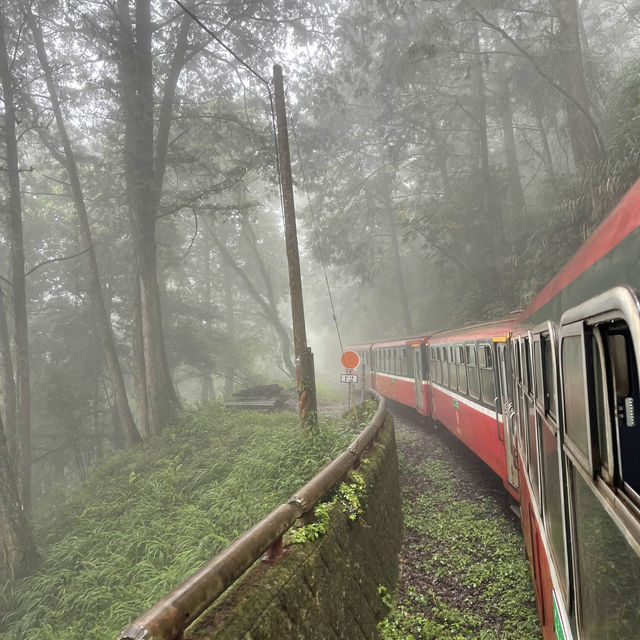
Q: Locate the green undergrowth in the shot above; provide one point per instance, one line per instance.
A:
(150, 516)
(348, 496)
(477, 584)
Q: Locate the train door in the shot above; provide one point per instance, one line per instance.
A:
(417, 369)
(599, 365)
(508, 413)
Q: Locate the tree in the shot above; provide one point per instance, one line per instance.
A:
(157, 397)
(18, 283)
(99, 307)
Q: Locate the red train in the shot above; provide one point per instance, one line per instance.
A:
(550, 400)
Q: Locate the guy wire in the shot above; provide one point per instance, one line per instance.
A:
(315, 225)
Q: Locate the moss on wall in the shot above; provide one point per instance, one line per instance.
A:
(327, 588)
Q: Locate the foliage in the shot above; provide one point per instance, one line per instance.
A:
(149, 517)
(347, 496)
(470, 543)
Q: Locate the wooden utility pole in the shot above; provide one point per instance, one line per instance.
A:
(304, 358)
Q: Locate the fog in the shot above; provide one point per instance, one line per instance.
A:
(447, 160)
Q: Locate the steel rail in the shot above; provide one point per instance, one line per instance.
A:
(169, 617)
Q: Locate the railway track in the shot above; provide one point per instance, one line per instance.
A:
(464, 572)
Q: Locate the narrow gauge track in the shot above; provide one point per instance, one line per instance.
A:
(464, 572)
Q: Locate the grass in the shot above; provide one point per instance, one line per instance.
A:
(478, 584)
(150, 516)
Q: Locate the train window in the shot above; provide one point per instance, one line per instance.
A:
(471, 355)
(462, 370)
(627, 400)
(453, 370)
(552, 499)
(408, 358)
(425, 362)
(616, 395)
(537, 370)
(473, 380)
(445, 366)
(527, 366)
(516, 362)
(532, 424)
(549, 374)
(575, 398)
(487, 379)
(600, 408)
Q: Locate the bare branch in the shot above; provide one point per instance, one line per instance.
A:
(62, 259)
(543, 74)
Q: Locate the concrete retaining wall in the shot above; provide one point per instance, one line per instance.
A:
(328, 588)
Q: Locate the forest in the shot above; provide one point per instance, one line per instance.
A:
(448, 158)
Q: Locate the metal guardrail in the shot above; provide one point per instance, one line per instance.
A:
(168, 618)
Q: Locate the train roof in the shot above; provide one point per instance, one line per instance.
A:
(472, 331)
(476, 331)
(391, 342)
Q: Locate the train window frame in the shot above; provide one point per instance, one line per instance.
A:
(547, 397)
(617, 305)
(462, 368)
(472, 369)
(453, 369)
(424, 350)
(528, 365)
(445, 366)
(485, 348)
(408, 357)
(570, 445)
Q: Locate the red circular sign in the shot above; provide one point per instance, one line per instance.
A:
(350, 360)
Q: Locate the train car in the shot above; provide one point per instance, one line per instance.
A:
(575, 397)
(467, 368)
(399, 370)
(550, 401)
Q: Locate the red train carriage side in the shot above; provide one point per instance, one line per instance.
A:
(562, 427)
(467, 368)
(576, 395)
(397, 369)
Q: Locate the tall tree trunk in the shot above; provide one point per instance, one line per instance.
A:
(396, 262)
(490, 200)
(546, 151)
(144, 183)
(584, 141)
(513, 166)
(16, 540)
(229, 321)
(23, 465)
(10, 399)
(98, 306)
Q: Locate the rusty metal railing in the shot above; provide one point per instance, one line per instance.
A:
(168, 618)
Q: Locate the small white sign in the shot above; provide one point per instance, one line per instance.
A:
(348, 377)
